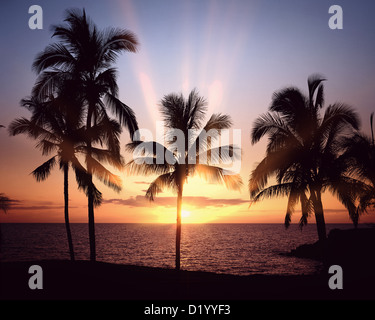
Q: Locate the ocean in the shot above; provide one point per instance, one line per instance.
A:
(240, 249)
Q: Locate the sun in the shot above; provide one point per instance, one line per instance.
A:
(185, 213)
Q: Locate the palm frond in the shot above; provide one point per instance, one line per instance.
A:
(314, 82)
(340, 113)
(172, 110)
(123, 113)
(217, 155)
(108, 79)
(276, 162)
(49, 81)
(194, 110)
(105, 131)
(115, 40)
(272, 124)
(306, 209)
(147, 166)
(218, 121)
(43, 171)
(278, 190)
(103, 155)
(290, 103)
(166, 180)
(55, 55)
(151, 149)
(78, 33)
(84, 179)
(349, 191)
(214, 174)
(47, 146)
(30, 128)
(293, 199)
(319, 100)
(203, 139)
(359, 156)
(103, 174)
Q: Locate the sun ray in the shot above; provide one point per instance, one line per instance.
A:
(142, 64)
(149, 94)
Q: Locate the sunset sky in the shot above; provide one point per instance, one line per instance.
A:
(236, 53)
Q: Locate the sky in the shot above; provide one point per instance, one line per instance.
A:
(235, 53)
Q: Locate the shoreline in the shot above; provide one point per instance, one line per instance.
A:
(84, 280)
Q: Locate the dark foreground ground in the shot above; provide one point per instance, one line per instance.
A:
(86, 280)
(353, 250)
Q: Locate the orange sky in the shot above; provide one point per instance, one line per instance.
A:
(202, 202)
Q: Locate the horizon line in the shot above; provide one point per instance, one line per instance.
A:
(190, 223)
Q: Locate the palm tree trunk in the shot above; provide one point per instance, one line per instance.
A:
(66, 212)
(91, 220)
(178, 227)
(372, 128)
(1, 240)
(90, 196)
(319, 215)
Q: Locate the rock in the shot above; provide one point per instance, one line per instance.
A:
(352, 248)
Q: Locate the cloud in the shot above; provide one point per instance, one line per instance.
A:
(13, 202)
(138, 201)
(37, 205)
(198, 202)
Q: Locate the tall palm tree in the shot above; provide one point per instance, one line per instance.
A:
(303, 152)
(195, 153)
(85, 55)
(55, 133)
(58, 129)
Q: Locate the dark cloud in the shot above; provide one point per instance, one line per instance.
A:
(37, 205)
(198, 202)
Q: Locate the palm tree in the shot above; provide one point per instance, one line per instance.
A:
(303, 153)
(194, 154)
(85, 56)
(5, 204)
(58, 129)
(360, 156)
(55, 133)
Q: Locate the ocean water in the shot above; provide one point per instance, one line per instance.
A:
(241, 249)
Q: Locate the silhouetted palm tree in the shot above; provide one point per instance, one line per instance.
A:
(303, 152)
(85, 55)
(5, 204)
(360, 157)
(188, 151)
(58, 128)
(54, 133)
